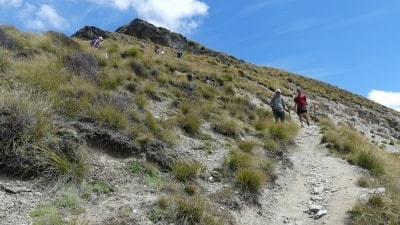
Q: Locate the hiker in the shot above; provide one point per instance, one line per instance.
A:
(300, 106)
(96, 42)
(179, 54)
(278, 106)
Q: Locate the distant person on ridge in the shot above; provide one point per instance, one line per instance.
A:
(278, 106)
(300, 106)
(96, 42)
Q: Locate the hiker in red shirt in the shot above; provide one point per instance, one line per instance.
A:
(301, 106)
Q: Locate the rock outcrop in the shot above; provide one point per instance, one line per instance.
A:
(90, 32)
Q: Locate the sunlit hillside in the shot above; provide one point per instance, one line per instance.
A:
(62, 102)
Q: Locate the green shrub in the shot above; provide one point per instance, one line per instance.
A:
(82, 64)
(7, 41)
(132, 52)
(46, 215)
(139, 69)
(150, 173)
(71, 202)
(152, 176)
(135, 167)
(376, 201)
(101, 187)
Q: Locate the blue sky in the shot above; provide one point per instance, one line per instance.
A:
(352, 44)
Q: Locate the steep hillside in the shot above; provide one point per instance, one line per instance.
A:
(123, 134)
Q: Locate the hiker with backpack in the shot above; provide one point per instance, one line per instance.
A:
(96, 42)
(278, 106)
(301, 106)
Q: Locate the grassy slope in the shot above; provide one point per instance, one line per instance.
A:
(50, 81)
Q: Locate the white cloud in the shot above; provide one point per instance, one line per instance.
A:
(176, 15)
(11, 3)
(386, 98)
(43, 18)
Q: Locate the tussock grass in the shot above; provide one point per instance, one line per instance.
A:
(185, 171)
(238, 160)
(44, 74)
(226, 125)
(191, 123)
(141, 101)
(110, 117)
(247, 145)
(69, 169)
(250, 172)
(250, 179)
(187, 210)
(354, 147)
(190, 210)
(27, 117)
(282, 132)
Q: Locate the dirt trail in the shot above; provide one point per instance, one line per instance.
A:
(318, 179)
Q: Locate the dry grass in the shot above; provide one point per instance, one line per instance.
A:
(51, 76)
(385, 168)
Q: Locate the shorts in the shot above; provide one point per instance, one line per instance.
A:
(301, 111)
(279, 115)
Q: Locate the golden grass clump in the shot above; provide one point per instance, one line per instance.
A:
(185, 171)
(250, 179)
